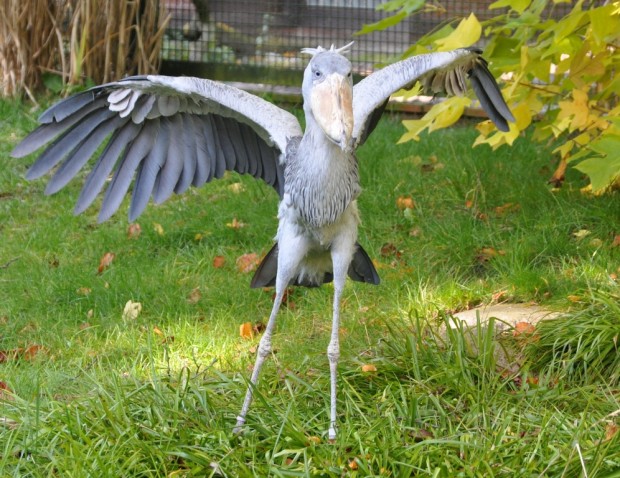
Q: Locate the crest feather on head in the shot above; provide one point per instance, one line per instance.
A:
(343, 50)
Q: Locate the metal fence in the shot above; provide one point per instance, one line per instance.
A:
(260, 40)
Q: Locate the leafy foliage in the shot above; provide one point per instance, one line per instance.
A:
(560, 74)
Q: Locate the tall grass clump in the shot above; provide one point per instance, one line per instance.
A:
(77, 40)
(582, 346)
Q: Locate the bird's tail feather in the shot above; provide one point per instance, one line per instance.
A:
(361, 269)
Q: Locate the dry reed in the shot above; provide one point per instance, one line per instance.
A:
(77, 40)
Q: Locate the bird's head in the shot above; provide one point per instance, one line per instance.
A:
(328, 93)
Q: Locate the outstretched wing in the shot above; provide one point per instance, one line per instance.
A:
(441, 72)
(168, 133)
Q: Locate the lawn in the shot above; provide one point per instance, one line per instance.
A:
(89, 391)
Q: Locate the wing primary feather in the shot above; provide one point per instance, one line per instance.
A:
(149, 168)
(123, 176)
(252, 151)
(214, 152)
(188, 152)
(487, 104)
(99, 174)
(67, 107)
(48, 131)
(81, 154)
(488, 83)
(226, 147)
(239, 146)
(171, 171)
(269, 163)
(67, 142)
(203, 162)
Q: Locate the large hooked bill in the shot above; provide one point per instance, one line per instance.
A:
(332, 106)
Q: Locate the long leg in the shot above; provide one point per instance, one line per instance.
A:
(291, 252)
(342, 253)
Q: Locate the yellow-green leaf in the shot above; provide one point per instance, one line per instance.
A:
(466, 34)
(439, 116)
(604, 24)
(518, 6)
(602, 171)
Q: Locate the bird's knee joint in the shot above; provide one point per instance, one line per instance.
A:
(264, 348)
(333, 353)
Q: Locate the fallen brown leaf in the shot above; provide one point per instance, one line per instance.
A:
(194, 296)
(105, 261)
(525, 332)
(31, 351)
(218, 262)
(611, 430)
(369, 368)
(246, 263)
(134, 230)
(389, 249)
(245, 330)
(616, 241)
(405, 202)
(506, 208)
(158, 331)
(27, 353)
(523, 328)
(6, 393)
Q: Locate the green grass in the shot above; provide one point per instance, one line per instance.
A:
(158, 395)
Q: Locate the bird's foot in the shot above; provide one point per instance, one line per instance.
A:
(331, 434)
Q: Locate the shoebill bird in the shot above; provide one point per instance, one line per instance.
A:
(165, 134)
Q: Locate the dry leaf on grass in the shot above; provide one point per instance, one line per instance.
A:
(218, 262)
(158, 228)
(6, 393)
(26, 353)
(194, 296)
(134, 230)
(132, 310)
(526, 332)
(245, 330)
(248, 262)
(105, 261)
(611, 430)
(405, 202)
(368, 368)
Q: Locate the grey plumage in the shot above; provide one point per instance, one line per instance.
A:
(166, 134)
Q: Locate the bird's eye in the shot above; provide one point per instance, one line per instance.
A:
(349, 75)
(317, 73)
